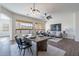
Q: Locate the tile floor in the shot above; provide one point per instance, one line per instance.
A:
(8, 49)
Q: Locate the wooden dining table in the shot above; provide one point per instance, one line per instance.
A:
(40, 43)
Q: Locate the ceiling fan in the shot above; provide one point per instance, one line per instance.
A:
(48, 17)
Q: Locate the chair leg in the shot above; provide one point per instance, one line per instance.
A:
(31, 50)
(24, 52)
(28, 50)
(20, 51)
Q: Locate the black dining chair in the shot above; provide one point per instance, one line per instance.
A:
(23, 45)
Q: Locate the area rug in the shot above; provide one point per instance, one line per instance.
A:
(55, 39)
(52, 51)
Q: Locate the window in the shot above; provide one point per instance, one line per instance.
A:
(24, 25)
(4, 24)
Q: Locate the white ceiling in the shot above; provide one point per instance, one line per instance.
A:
(24, 8)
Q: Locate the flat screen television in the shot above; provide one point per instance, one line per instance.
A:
(55, 27)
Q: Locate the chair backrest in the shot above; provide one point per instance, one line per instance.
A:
(28, 41)
(18, 40)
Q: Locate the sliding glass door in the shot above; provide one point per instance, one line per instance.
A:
(4, 25)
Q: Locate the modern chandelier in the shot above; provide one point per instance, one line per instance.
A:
(36, 11)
